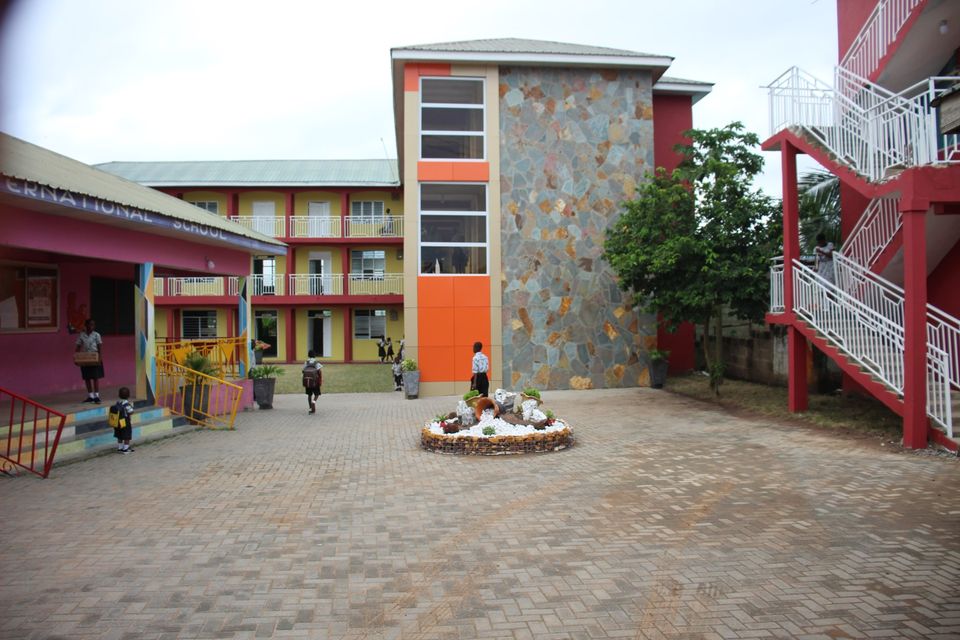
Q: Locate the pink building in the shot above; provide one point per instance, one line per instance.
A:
(887, 126)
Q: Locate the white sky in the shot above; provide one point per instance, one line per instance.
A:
(103, 80)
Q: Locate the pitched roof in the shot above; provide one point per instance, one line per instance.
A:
(257, 173)
(523, 45)
(25, 161)
(696, 89)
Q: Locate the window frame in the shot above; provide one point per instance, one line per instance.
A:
(369, 314)
(485, 214)
(51, 304)
(482, 134)
(205, 205)
(372, 217)
(375, 273)
(210, 313)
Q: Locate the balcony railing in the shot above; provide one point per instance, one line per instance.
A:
(376, 285)
(379, 227)
(315, 227)
(267, 225)
(206, 286)
(879, 31)
(272, 285)
(310, 284)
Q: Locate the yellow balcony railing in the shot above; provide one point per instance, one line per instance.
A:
(205, 400)
(226, 354)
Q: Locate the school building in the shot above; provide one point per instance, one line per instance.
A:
(514, 157)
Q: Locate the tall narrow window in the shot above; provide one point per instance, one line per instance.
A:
(265, 276)
(452, 119)
(453, 228)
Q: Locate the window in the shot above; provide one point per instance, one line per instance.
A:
(209, 205)
(369, 324)
(367, 211)
(452, 118)
(112, 306)
(264, 276)
(453, 228)
(369, 264)
(198, 324)
(28, 297)
(265, 330)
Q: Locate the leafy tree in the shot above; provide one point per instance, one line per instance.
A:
(819, 193)
(700, 238)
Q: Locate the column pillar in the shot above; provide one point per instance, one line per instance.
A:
(345, 262)
(145, 333)
(791, 220)
(244, 321)
(287, 214)
(348, 334)
(915, 421)
(344, 211)
(291, 334)
(797, 393)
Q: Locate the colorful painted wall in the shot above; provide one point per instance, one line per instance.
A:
(573, 143)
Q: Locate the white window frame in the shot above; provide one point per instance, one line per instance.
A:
(485, 213)
(376, 274)
(207, 205)
(371, 216)
(201, 332)
(369, 314)
(446, 105)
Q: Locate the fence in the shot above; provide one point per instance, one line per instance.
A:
(226, 354)
(204, 400)
(33, 433)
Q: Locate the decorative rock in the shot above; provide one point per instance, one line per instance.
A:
(505, 399)
(527, 408)
(466, 415)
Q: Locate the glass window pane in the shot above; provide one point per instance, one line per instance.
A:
(453, 228)
(452, 147)
(445, 90)
(439, 119)
(453, 260)
(453, 197)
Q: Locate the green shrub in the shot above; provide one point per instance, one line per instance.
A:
(657, 355)
(473, 393)
(266, 371)
(550, 415)
(533, 392)
(408, 364)
(489, 431)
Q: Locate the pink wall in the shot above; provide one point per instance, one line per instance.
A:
(41, 363)
(672, 115)
(852, 205)
(942, 283)
(73, 236)
(851, 15)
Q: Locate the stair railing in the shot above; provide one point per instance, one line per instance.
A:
(205, 400)
(874, 231)
(32, 433)
(777, 304)
(877, 34)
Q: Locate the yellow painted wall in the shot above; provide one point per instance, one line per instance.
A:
(300, 201)
(208, 196)
(364, 349)
(245, 206)
(395, 205)
(303, 257)
(160, 321)
(336, 340)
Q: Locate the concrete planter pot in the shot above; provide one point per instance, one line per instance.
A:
(658, 373)
(263, 389)
(411, 384)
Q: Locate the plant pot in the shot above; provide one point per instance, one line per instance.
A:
(658, 373)
(411, 384)
(258, 356)
(524, 397)
(196, 402)
(472, 402)
(263, 389)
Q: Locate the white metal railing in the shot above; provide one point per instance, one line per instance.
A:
(271, 285)
(377, 227)
(376, 285)
(313, 284)
(776, 286)
(877, 34)
(874, 231)
(196, 286)
(158, 286)
(869, 129)
(267, 225)
(315, 227)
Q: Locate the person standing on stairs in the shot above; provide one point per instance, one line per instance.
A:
(824, 252)
(90, 341)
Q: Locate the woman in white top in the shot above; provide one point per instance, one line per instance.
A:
(824, 251)
(90, 341)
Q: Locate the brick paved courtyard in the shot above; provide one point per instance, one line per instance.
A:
(666, 520)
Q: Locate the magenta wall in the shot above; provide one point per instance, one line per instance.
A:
(851, 14)
(38, 364)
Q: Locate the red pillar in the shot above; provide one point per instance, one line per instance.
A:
(172, 316)
(345, 268)
(287, 214)
(344, 212)
(796, 371)
(796, 344)
(915, 422)
(233, 201)
(291, 334)
(348, 334)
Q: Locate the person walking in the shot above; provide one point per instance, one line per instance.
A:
(123, 431)
(824, 252)
(89, 341)
(312, 380)
(480, 366)
(382, 349)
(397, 368)
(389, 350)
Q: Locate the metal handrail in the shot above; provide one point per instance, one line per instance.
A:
(777, 304)
(376, 285)
(205, 400)
(267, 225)
(27, 420)
(376, 227)
(261, 285)
(315, 227)
(874, 231)
(315, 284)
(231, 356)
(878, 32)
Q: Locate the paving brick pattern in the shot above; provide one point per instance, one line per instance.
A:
(666, 520)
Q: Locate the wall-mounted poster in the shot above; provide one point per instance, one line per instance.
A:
(41, 300)
(29, 297)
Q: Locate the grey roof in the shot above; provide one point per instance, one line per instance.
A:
(522, 45)
(25, 161)
(671, 80)
(259, 173)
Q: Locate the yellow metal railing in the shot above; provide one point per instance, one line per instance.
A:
(226, 354)
(204, 400)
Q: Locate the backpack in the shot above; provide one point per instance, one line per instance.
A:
(117, 416)
(311, 377)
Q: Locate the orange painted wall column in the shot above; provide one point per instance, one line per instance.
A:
(453, 312)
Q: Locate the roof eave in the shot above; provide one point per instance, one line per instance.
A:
(545, 59)
(696, 92)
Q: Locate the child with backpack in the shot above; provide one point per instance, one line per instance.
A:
(312, 380)
(119, 418)
(397, 373)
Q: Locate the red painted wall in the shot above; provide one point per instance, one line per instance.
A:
(672, 116)
(851, 15)
(852, 205)
(942, 283)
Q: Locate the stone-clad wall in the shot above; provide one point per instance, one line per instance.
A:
(573, 144)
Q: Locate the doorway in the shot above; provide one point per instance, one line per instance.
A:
(319, 332)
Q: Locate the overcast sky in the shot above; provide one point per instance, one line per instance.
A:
(103, 80)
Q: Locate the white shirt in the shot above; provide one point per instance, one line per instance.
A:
(89, 342)
(480, 363)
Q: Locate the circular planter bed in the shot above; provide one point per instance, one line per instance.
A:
(508, 439)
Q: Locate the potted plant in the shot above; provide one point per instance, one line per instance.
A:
(471, 397)
(659, 363)
(530, 393)
(258, 348)
(411, 378)
(265, 383)
(196, 390)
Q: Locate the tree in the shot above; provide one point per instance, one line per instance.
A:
(819, 193)
(699, 239)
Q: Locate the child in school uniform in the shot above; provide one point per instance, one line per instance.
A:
(397, 373)
(312, 380)
(124, 431)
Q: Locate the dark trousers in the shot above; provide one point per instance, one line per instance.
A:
(481, 383)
